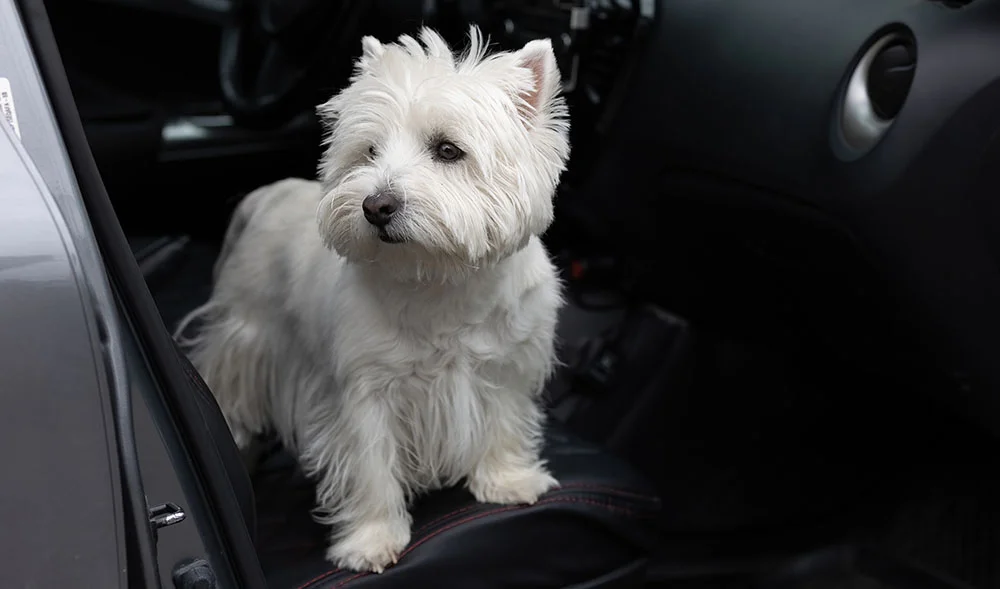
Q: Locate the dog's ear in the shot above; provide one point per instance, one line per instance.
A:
(371, 52)
(540, 60)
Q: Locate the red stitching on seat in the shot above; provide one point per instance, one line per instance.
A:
(472, 518)
(349, 579)
(613, 490)
(319, 578)
(570, 486)
(431, 523)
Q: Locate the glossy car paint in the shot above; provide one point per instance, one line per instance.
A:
(61, 504)
(96, 358)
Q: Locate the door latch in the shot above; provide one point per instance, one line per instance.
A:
(165, 515)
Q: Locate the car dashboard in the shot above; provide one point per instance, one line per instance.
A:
(822, 164)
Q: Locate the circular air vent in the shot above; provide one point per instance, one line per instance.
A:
(875, 93)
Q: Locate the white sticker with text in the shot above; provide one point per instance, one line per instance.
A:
(7, 106)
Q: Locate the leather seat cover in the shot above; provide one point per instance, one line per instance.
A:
(593, 525)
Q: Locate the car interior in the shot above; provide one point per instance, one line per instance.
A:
(779, 240)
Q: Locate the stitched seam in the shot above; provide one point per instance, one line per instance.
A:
(312, 582)
(418, 531)
(349, 579)
(469, 519)
(613, 490)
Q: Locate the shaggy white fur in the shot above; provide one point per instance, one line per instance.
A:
(413, 357)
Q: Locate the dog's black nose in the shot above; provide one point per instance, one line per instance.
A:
(379, 208)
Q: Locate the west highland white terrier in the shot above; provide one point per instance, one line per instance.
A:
(412, 356)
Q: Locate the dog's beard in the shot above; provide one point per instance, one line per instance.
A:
(436, 237)
(396, 251)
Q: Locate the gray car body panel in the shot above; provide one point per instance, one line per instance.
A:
(60, 502)
(94, 357)
(62, 366)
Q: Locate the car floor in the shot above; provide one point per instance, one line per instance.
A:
(747, 509)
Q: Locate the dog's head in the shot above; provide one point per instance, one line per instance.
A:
(438, 164)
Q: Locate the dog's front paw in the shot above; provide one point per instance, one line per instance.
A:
(511, 485)
(371, 546)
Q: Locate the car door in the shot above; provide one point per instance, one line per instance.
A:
(61, 502)
(113, 475)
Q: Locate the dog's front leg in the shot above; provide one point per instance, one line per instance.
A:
(356, 461)
(510, 470)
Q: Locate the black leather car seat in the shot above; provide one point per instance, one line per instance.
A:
(591, 532)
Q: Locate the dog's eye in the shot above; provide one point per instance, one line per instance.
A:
(447, 151)
(371, 151)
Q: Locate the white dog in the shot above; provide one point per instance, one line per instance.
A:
(414, 356)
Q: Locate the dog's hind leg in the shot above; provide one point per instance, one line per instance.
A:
(232, 357)
(258, 200)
